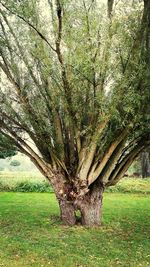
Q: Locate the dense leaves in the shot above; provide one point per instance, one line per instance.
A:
(7, 149)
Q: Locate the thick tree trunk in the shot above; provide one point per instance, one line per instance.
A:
(91, 207)
(67, 212)
(91, 214)
(72, 199)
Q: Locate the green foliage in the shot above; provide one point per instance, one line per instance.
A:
(33, 187)
(15, 163)
(4, 153)
(5, 187)
(23, 182)
(131, 185)
(7, 148)
(26, 186)
(135, 167)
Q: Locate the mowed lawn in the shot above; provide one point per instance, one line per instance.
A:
(32, 235)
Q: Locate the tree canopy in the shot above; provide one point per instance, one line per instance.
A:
(75, 88)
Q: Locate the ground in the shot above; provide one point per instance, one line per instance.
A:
(32, 235)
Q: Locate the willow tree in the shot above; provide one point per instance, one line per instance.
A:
(75, 93)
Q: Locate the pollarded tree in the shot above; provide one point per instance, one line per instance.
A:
(75, 93)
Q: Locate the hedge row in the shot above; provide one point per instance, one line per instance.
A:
(27, 187)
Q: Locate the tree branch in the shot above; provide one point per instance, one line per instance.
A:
(31, 25)
(110, 7)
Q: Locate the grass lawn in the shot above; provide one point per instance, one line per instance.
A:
(32, 235)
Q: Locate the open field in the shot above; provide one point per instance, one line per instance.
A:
(35, 182)
(23, 182)
(12, 178)
(32, 235)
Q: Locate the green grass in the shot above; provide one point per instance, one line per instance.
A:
(32, 235)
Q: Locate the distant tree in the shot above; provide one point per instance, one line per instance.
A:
(15, 163)
(77, 93)
(7, 148)
(145, 164)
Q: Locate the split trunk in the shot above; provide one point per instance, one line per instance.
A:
(86, 210)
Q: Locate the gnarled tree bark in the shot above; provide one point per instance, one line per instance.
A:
(67, 212)
(91, 207)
